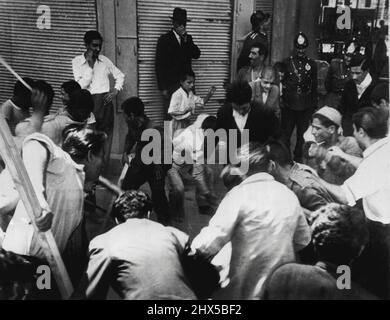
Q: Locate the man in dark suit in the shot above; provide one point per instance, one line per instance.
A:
(239, 113)
(174, 53)
(357, 92)
(266, 92)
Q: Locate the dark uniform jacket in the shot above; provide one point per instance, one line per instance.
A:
(338, 74)
(300, 84)
(250, 40)
(306, 185)
(172, 59)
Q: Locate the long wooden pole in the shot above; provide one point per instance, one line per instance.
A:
(16, 168)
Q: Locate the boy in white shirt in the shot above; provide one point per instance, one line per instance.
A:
(184, 102)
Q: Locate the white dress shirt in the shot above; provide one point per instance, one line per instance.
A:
(371, 182)
(240, 119)
(364, 85)
(265, 224)
(96, 80)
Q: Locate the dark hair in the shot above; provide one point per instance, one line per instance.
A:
(256, 156)
(373, 121)
(91, 35)
(257, 18)
(79, 141)
(133, 105)
(263, 50)
(47, 89)
(381, 91)
(70, 86)
(80, 105)
(209, 123)
(339, 233)
(280, 67)
(361, 61)
(186, 74)
(131, 204)
(279, 153)
(231, 176)
(239, 92)
(20, 90)
(326, 122)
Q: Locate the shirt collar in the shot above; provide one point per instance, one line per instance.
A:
(261, 176)
(237, 115)
(374, 147)
(365, 84)
(83, 60)
(177, 36)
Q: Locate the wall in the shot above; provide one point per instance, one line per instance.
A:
(117, 22)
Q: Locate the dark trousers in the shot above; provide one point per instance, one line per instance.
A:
(154, 174)
(300, 120)
(372, 269)
(104, 114)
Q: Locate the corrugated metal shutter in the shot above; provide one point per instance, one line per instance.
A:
(267, 6)
(43, 54)
(210, 26)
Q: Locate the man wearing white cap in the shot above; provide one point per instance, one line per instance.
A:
(326, 129)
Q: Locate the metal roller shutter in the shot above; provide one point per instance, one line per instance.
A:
(43, 54)
(210, 26)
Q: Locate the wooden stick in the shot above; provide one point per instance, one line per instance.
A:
(15, 166)
(110, 186)
(9, 68)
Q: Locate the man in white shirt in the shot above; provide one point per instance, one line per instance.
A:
(265, 224)
(91, 70)
(371, 183)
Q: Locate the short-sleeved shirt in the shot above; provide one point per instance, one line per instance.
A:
(183, 103)
(13, 114)
(371, 182)
(64, 186)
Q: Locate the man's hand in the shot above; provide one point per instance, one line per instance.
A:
(336, 151)
(44, 221)
(39, 101)
(109, 96)
(125, 159)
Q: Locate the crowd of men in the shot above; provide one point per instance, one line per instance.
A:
(289, 219)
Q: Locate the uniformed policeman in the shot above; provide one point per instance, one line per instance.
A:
(299, 94)
(339, 73)
(260, 23)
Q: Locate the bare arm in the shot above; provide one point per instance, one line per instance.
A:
(335, 191)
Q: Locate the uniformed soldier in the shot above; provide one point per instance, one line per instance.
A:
(260, 23)
(299, 94)
(338, 74)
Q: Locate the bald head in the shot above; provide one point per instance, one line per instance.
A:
(267, 78)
